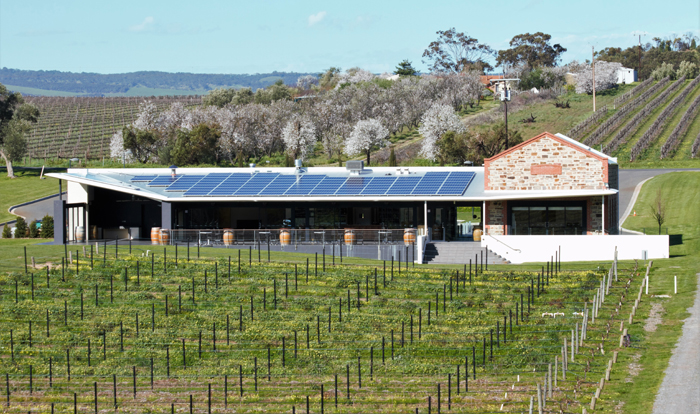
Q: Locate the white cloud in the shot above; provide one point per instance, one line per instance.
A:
(316, 18)
(143, 26)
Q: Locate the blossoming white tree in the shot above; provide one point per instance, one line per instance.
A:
(299, 136)
(305, 82)
(366, 135)
(439, 119)
(605, 77)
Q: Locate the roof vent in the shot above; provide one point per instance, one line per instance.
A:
(355, 167)
(298, 164)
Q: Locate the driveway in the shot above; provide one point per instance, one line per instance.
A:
(629, 179)
(35, 210)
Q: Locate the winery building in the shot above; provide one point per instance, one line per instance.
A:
(547, 187)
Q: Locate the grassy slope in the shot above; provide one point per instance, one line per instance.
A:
(682, 192)
(650, 159)
(555, 120)
(631, 115)
(26, 187)
(623, 152)
(687, 142)
(654, 150)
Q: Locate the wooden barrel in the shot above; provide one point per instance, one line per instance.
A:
(155, 235)
(80, 234)
(409, 236)
(164, 236)
(349, 236)
(285, 237)
(228, 237)
(477, 234)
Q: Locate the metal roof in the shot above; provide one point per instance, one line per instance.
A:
(243, 186)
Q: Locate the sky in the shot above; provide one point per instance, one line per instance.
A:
(261, 36)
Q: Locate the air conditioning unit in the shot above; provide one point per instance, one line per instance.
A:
(355, 167)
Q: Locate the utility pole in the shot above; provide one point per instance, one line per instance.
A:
(639, 70)
(506, 104)
(593, 66)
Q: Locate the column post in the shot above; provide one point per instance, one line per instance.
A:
(166, 215)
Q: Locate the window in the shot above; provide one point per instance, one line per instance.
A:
(545, 220)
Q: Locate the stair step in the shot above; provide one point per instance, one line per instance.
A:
(456, 252)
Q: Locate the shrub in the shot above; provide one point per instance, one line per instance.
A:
(33, 230)
(20, 228)
(664, 70)
(392, 158)
(47, 227)
(6, 232)
(688, 69)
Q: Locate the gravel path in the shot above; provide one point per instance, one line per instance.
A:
(680, 389)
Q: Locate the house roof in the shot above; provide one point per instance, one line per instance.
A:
(486, 79)
(132, 181)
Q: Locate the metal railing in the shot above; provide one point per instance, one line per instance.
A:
(220, 237)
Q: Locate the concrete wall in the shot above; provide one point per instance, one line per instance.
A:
(77, 193)
(521, 249)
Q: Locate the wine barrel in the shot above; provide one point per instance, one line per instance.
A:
(285, 237)
(80, 234)
(228, 237)
(164, 236)
(349, 236)
(477, 234)
(409, 236)
(155, 235)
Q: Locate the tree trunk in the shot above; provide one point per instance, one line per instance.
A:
(10, 171)
(368, 158)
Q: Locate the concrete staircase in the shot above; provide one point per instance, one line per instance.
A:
(458, 253)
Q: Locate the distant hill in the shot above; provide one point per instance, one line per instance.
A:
(147, 83)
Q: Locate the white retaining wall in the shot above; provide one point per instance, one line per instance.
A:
(521, 249)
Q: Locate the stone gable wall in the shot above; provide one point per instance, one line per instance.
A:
(579, 170)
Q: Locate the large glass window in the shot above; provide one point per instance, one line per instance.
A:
(542, 220)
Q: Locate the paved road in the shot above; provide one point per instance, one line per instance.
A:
(680, 390)
(629, 180)
(37, 210)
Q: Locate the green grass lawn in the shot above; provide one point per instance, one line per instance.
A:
(682, 192)
(558, 120)
(26, 187)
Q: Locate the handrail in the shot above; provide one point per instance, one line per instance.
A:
(515, 250)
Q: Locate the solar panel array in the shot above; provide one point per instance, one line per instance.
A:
(275, 184)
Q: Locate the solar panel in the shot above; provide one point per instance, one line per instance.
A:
(456, 183)
(353, 185)
(275, 184)
(304, 184)
(430, 183)
(230, 185)
(378, 186)
(279, 186)
(185, 183)
(164, 180)
(403, 186)
(256, 184)
(144, 178)
(206, 184)
(328, 186)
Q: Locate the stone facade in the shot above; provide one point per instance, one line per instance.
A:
(496, 217)
(546, 162)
